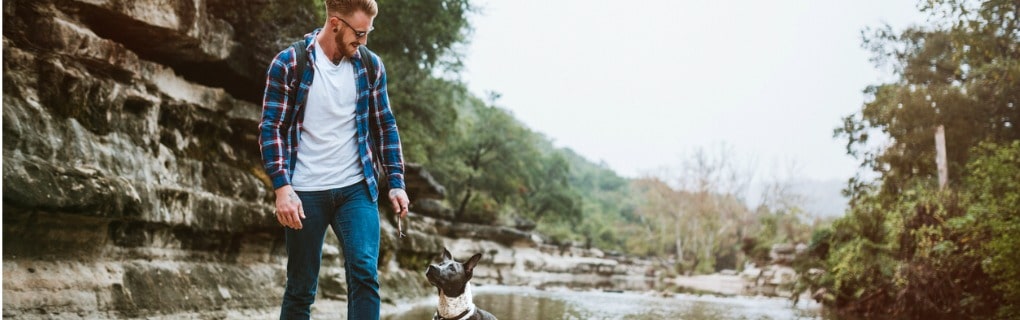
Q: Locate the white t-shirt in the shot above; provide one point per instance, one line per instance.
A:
(327, 156)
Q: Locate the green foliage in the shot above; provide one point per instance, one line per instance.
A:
(548, 192)
(425, 32)
(605, 200)
(498, 170)
(494, 148)
(757, 247)
(928, 253)
(995, 210)
(963, 73)
(905, 248)
(418, 41)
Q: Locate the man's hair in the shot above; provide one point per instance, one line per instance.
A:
(349, 7)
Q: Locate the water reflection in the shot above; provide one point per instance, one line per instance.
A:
(511, 306)
(509, 303)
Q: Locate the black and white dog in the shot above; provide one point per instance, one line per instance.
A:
(451, 278)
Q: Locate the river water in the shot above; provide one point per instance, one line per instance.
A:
(510, 303)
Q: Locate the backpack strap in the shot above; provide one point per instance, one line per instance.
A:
(366, 59)
(301, 54)
(302, 60)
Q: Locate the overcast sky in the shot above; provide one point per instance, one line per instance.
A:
(641, 84)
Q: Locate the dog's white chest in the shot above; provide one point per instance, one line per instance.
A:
(451, 307)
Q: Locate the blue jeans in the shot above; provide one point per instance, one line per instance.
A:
(355, 220)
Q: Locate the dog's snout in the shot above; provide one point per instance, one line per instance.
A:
(432, 273)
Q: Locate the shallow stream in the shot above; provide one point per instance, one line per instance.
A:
(510, 303)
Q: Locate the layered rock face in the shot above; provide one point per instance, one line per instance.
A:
(132, 178)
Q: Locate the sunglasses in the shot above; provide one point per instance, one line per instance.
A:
(357, 34)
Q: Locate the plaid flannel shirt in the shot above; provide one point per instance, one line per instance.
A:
(282, 119)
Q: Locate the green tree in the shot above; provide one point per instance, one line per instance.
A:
(419, 42)
(963, 73)
(495, 151)
(605, 200)
(907, 249)
(548, 193)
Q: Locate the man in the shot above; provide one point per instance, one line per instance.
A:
(318, 151)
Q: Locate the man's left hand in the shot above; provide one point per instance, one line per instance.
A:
(400, 201)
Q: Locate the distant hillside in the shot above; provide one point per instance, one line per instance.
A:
(822, 198)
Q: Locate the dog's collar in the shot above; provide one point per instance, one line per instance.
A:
(463, 315)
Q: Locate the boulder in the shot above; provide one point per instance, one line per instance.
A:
(503, 235)
(433, 208)
(421, 185)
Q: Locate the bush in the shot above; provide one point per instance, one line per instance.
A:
(994, 205)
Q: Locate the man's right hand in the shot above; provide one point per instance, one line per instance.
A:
(288, 207)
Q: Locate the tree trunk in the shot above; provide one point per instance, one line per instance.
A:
(467, 197)
(708, 250)
(679, 245)
(463, 203)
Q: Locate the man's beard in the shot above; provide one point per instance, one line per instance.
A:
(341, 48)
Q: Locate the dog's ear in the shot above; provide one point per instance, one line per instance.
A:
(447, 255)
(470, 264)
